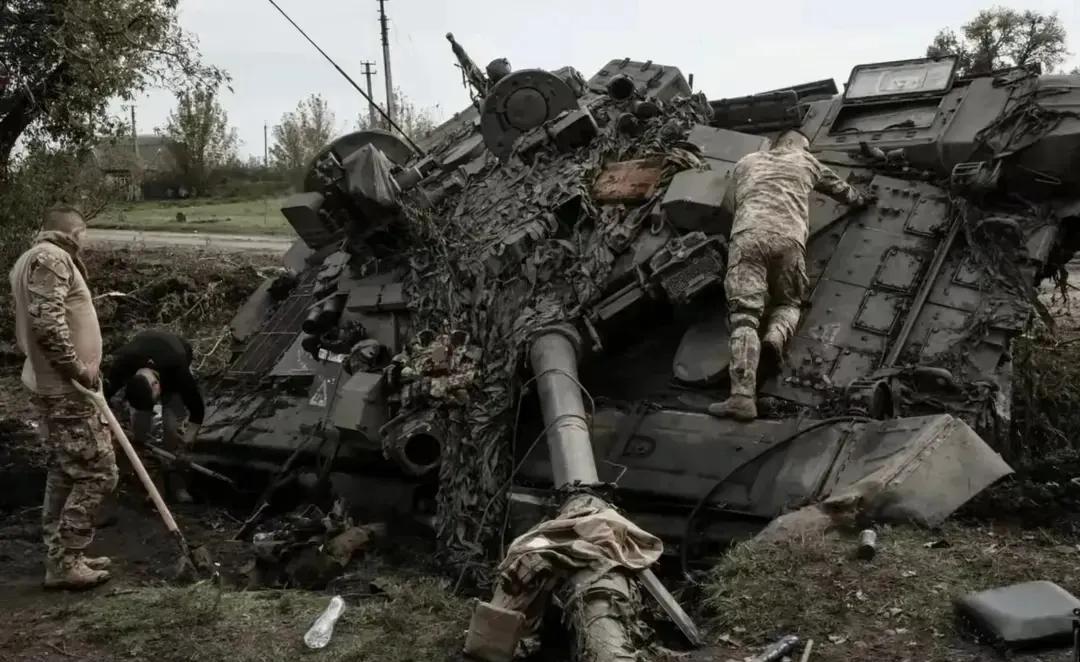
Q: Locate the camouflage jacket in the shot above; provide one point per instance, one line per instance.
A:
(56, 325)
(772, 191)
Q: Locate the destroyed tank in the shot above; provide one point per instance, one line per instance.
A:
(548, 265)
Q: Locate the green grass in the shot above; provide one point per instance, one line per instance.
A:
(200, 215)
(416, 619)
(899, 606)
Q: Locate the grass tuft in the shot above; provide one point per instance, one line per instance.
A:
(416, 619)
(897, 606)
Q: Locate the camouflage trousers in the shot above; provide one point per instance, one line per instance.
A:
(764, 269)
(81, 472)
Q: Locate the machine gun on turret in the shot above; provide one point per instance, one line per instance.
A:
(470, 72)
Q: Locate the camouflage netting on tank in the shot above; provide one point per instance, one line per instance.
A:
(523, 246)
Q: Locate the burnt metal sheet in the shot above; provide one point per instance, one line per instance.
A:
(704, 355)
(725, 145)
(302, 210)
(387, 328)
(820, 248)
(359, 405)
(830, 319)
(878, 312)
(868, 279)
(864, 250)
(960, 284)
(296, 258)
(1040, 242)
(927, 218)
(937, 330)
(851, 365)
(1031, 614)
(245, 323)
(265, 347)
(694, 201)
(812, 91)
(772, 111)
(640, 252)
(672, 453)
(824, 211)
(927, 467)
(295, 361)
(370, 298)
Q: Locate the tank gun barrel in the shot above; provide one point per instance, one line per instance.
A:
(469, 70)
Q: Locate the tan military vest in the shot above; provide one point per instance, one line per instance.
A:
(39, 375)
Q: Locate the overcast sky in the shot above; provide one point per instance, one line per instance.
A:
(732, 48)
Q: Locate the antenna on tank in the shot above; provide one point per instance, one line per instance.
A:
(341, 71)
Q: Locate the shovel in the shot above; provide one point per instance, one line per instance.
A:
(191, 560)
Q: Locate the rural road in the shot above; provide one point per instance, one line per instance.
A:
(231, 243)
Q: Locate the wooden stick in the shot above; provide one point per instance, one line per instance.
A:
(98, 400)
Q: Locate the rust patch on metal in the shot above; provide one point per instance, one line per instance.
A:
(628, 181)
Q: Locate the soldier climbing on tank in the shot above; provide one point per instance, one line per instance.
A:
(767, 256)
(155, 368)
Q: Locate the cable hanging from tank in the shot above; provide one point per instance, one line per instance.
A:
(341, 71)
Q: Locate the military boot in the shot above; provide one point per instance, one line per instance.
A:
(772, 353)
(97, 562)
(739, 407)
(72, 573)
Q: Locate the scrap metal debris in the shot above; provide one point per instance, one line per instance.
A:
(309, 548)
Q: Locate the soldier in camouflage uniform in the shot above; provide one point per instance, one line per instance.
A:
(767, 256)
(56, 327)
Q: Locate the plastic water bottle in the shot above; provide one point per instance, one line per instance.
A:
(778, 650)
(323, 628)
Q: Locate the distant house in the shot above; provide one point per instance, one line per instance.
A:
(146, 169)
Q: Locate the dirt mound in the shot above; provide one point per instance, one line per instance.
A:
(193, 293)
(136, 289)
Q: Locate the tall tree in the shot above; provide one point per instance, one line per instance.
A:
(414, 121)
(302, 133)
(1002, 37)
(200, 137)
(65, 60)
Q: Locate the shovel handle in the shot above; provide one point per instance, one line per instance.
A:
(98, 399)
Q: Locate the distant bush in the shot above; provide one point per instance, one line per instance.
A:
(235, 182)
(241, 190)
(248, 182)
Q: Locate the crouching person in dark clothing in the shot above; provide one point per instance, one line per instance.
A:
(155, 368)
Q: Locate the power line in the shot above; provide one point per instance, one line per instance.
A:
(341, 71)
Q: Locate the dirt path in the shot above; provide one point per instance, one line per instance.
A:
(232, 243)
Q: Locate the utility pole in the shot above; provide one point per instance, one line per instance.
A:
(386, 60)
(368, 73)
(132, 185)
(266, 149)
(134, 134)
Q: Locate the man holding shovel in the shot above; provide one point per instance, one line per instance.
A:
(56, 328)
